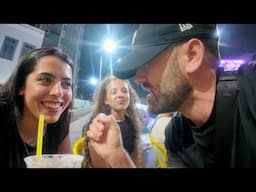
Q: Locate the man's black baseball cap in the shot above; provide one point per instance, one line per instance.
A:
(149, 40)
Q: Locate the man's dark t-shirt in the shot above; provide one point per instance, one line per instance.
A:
(191, 146)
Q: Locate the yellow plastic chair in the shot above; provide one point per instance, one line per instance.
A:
(162, 161)
(78, 146)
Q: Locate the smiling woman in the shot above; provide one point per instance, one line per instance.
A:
(41, 84)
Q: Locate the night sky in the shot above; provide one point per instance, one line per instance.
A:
(240, 38)
(94, 36)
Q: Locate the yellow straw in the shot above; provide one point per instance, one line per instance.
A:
(40, 137)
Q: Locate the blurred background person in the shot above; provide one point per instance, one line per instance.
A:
(159, 125)
(157, 139)
(118, 98)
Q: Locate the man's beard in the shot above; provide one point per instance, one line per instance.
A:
(170, 101)
(174, 91)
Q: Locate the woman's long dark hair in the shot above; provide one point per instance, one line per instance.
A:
(9, 92)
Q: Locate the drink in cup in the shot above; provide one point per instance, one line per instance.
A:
(54, 161)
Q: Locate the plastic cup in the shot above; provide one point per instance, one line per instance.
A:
(54, 161)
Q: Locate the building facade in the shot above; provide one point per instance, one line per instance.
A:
(15, 41)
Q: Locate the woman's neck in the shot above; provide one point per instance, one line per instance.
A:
(119, 115)
(28, 131)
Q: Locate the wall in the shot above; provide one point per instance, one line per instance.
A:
(22, 33)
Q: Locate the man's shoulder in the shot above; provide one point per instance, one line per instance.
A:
(247, 90)
(248, 73)
(175, 123)
(177, 117)
(175, 132)
(241, 82)
(244, 146)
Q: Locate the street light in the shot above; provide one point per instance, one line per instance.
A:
(93, 81)
(109, 46)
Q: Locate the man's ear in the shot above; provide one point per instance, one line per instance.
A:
(195, 53)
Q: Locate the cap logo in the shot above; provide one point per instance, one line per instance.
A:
(185, 27)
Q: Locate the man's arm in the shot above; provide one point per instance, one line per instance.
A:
(105, 138)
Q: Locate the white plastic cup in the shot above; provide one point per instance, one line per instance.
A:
(54, 161)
